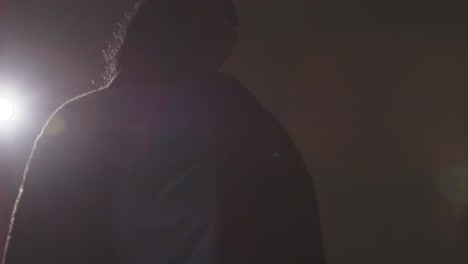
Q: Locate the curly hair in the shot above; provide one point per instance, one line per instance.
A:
(175, 30)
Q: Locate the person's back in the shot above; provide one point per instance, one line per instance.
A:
(175, 163)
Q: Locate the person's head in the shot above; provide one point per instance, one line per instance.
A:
(179, 38)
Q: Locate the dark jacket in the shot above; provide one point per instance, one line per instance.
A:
(119, 180)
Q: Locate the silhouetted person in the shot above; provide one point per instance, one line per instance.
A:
(175, 163)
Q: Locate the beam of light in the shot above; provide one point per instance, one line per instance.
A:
(7, 110)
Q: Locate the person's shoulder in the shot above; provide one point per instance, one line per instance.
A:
(80, 118)
(246, 120)
(254, 140)
(233, 95)
(90, 102)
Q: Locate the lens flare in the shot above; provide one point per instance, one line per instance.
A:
(7, 110)
(454, 184)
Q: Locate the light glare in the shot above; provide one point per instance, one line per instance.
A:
(7, 110)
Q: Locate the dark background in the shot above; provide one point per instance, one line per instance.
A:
(374, 94)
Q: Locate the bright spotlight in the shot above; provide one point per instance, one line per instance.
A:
(7, 110)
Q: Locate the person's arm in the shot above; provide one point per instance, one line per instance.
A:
(270, 210)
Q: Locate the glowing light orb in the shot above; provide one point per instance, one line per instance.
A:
(7, 110)
(454, 184)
